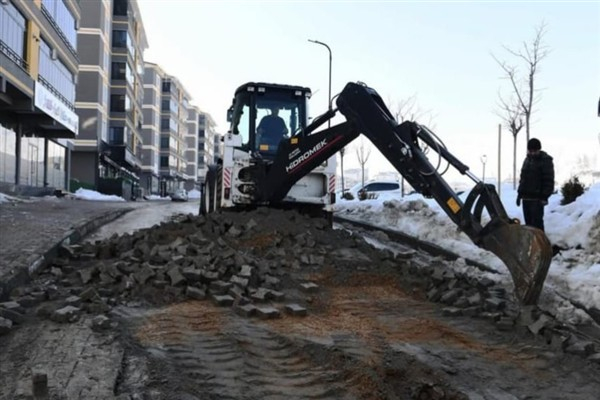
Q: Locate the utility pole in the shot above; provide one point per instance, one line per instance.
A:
(499, 159)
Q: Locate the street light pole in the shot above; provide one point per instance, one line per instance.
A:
(483, 161)
(330, 105)
(329, 50)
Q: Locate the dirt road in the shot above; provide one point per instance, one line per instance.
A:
(142, 329)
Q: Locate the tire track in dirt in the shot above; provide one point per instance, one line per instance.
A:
(215, 353)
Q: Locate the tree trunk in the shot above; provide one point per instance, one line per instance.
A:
(514, 162)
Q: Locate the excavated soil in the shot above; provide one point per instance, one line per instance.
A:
(370, 331)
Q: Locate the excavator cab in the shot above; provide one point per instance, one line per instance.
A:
(265, 114)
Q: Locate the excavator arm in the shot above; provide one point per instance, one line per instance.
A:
(525, 251)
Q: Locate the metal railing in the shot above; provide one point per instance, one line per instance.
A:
(55, 92)
(17, 59)
(60, 32)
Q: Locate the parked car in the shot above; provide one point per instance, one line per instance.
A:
(180, 195)
(372, 188)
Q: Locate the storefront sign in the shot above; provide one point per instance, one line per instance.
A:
(51, 105)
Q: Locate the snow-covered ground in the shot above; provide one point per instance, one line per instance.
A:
(574, 275)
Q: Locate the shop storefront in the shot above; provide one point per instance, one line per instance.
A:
(32, 165)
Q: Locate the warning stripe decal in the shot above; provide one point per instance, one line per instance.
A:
(227, 177)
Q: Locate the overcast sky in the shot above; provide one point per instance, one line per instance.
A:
(437, 51)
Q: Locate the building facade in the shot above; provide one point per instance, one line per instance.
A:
(150, 175)
(200, 147)
(107, 154)
(166, 133)
(38, 73)
(217, 147)
(173, 129)
(192, 147)
(209, 143)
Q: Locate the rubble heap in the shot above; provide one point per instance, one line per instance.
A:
(259, 262)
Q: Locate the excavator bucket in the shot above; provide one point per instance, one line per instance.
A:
(527, 253)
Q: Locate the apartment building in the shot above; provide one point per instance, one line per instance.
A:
(165, 132)
(200, 150)
(192, 147)
(107, 153)
(209, 144)
(38, 73)
(173, 116)
(150, 175)
(217, 146)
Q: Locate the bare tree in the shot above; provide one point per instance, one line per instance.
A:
(531, 54)
(408, 109)
(363, 151)
(512, 117)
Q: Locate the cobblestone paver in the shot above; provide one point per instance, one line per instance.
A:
(30, 228)
(79, 363)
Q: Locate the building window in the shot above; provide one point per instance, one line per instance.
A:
(123, 39)
(116, 134)
(120, 7)
(118, 70)
(63, 19)
(164, 161)
(164, 142)
(56, 170)
(55, 75)
(166, 86)
(12, 34)
(169, 106)
(164, 124)
(122, 71)
(119, 103)
(119, 38)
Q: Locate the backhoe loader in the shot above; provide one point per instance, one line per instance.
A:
(298, 167)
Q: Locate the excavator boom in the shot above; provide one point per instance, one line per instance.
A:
(525, 251)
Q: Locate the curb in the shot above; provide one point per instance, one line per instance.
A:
(23, 274)
(428, 247)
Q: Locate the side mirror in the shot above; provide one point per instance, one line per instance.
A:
(230, 114)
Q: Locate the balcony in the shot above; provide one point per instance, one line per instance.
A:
(13, 56)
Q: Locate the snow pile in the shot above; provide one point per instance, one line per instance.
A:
(156, 197)
(4, 198)
(574, 274)
(86, 194)
(578, 223)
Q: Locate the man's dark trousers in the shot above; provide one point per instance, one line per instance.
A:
(533, 211)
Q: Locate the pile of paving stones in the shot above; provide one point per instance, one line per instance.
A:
(258, 262)
(466, 295)
(243, 264)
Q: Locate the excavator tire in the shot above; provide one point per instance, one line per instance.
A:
(218, 188)
(207, 200)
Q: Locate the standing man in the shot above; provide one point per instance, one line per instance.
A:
(536, 184)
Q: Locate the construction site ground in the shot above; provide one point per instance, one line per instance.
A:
(269, 304)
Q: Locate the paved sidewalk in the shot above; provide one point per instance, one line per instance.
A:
(32, 230)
